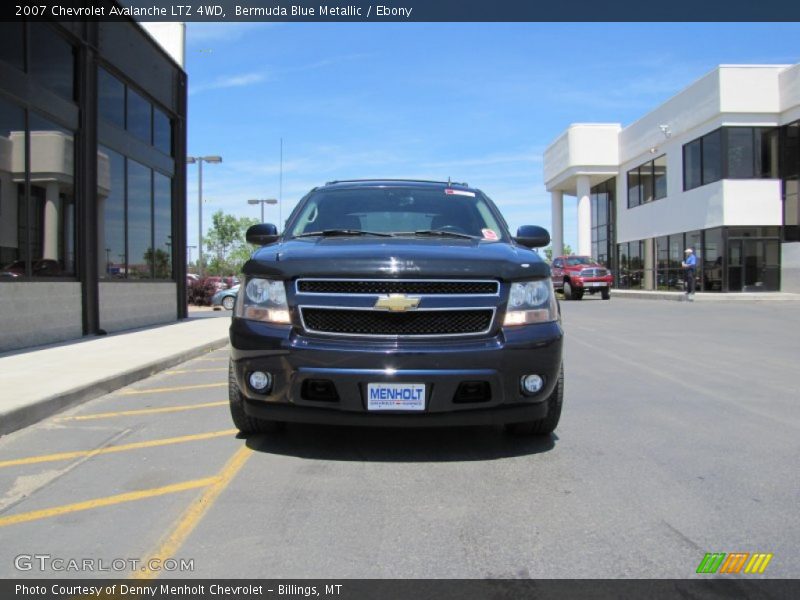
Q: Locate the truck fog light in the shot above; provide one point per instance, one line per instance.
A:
(532, 383)
(260, 381)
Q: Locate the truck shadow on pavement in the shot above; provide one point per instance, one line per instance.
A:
(398, 444)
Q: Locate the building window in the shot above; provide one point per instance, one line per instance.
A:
(712, 157)
(603, 234)
(162, 226)
(52, 60)
(52, 198)
(162, 131)
(740, 156)
(110, 98)
(135, 219)
(647, 182)
(139, 117)
(634, 189)
(140, 221)
(13, 221)
(631, 265)
(693, 164)
(731, 153)
(126, 108)
(111, 213)
(660, 177)
(37, 228)
(12, 44)
(713, 266)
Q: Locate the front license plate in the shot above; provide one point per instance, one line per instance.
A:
(395, 396)
(595, 284)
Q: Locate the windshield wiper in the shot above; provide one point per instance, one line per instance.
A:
(335, 232)
(444, 233)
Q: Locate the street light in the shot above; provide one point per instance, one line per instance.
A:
(190, 160)
(262, 202)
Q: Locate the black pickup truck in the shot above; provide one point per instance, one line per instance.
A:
(396, 303)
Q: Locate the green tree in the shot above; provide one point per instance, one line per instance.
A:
(548, 252)
(161, 260)
(226, 243)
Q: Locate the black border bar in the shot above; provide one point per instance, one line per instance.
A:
(745, 587)
(407, 10)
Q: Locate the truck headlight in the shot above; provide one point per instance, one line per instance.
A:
(531, 302)
(263, 300)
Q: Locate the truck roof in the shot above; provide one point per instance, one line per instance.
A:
(421, 183)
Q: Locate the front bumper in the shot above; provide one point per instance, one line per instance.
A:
(589, 283)
(442, 365)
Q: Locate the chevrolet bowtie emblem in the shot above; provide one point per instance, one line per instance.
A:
(396, 303)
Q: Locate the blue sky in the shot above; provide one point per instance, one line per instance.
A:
(476, 102)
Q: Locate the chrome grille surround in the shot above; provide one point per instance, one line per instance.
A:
(355, 314)
(414, 287)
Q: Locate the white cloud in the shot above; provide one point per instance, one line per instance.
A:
(229, 81)
(202, 33)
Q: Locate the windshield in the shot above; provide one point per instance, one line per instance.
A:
(397, 211)
(574, 261)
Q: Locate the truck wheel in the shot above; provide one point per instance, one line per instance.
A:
(244, 422)
(571, 293)
(547, 425)
(606, 293)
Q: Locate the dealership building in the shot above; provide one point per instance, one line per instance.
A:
(714, 168)
(92, 179)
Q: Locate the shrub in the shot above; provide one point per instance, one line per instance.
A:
(202, 291)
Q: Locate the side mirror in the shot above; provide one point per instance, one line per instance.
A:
(262, 234)
(532, 236)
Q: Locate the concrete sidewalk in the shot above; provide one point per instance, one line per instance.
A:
(38, 382)
(708, 296)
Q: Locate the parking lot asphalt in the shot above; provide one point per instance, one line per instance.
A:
(680, 436)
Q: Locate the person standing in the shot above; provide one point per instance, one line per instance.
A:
(689, 265)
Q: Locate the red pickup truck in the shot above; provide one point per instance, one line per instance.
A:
(574, 275)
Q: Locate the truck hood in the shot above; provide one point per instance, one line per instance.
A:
(396, 258)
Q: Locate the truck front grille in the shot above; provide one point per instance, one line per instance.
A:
(380, 323)
(396, 286)
(594, 272)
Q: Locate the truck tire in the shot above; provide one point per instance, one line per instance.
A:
(571, 293)
(606, 293)
(547, 425)
(244, 422)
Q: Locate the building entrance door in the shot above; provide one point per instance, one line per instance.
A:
(753, 265)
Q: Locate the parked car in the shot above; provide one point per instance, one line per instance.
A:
(396, 303)
(41, 268)
(574, 275)
(226, 298)
(223, 283)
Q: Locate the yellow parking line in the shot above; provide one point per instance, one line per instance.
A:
(106, 501)
(31, 460)
(177, 388)
(172, 542)
(181, 371)
(144, 411)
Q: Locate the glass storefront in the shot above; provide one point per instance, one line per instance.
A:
(92, 140)
(729, 259)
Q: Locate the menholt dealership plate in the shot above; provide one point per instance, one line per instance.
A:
(396, 396)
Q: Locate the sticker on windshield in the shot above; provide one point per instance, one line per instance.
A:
(489, 234)
(452, 192)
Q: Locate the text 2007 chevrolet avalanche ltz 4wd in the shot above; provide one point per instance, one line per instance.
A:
(401, 303)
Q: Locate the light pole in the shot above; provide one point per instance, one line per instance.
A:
(262, 202)
(190, 160)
